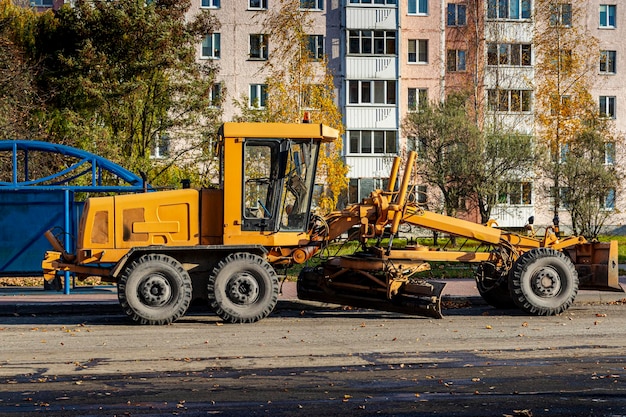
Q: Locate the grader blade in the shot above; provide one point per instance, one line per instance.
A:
(350, 288)
(597, 265)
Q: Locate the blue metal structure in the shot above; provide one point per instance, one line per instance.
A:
(29, 206)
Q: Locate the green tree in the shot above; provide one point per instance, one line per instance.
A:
(449, 150)
(299, 80)
(18, 92)
(125, 80)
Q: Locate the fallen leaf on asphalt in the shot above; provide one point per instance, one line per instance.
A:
(488, 327)
(600, 315)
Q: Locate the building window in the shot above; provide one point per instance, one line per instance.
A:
(418, 51)
(457, 14)
(513, 54)
(607, 106)
(609, 200)
(257, 4)
(456, 60)
(420, 194)
(360, 188)
(258, 47)
(561, 15)
(373, 141)
(367, 42)
(418, 97)
(215, 95)
(418, 7)
(510, 101)
(508, 9)
(418, 145)
(372, 92)
(607, 62)
(160, 146)
(211, 46)
(42, 3)
(312, 4)
(609, 153)
(213, 4)
(607, 15)
(315, 45)
(258, 96)
(516, 193)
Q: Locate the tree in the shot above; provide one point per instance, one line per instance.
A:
(449, 150)
(18, 93)
(572, 132)
(125, 81)
(298, 80)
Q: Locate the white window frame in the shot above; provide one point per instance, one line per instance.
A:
(315, 46)
(372, 92)
(262, 53)
(257, 4)
(317, 5)
(416, 97)
(608, 106)
(609, 153)
(608, 203)
(362, 39)
(214, 47)
(366, 142)
(215, 95)
(606, 24)
(418, 51)
(520, 191)
(509, 10)
(495, 100)
(506, 54)
(257, 91)
(417, 7)
(562, 15)
(210, 4)
(160, 149)
(41, 3)
(608, 61)
(456, 60)
(456, 18)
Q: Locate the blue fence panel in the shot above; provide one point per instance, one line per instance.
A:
(24, 217)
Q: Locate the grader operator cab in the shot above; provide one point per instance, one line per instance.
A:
(165, 248)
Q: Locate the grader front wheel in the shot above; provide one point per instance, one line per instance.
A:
(154, 289)
(543, 282)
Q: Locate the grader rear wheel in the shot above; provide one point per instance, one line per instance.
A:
(243, 288)
(544, 282)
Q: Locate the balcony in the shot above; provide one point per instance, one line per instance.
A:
(371, 18)
(371, 67)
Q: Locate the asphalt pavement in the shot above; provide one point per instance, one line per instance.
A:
(103, 299)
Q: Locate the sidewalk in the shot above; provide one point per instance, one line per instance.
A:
(103, 299)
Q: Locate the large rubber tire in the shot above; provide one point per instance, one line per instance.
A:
(154, 289)
(543, 282)
(497, 295)
(243, 288)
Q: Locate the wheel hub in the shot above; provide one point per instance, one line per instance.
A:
(243, 289)
(156, 290)
(546, 283)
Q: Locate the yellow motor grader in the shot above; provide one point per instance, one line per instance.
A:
(166, 248)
